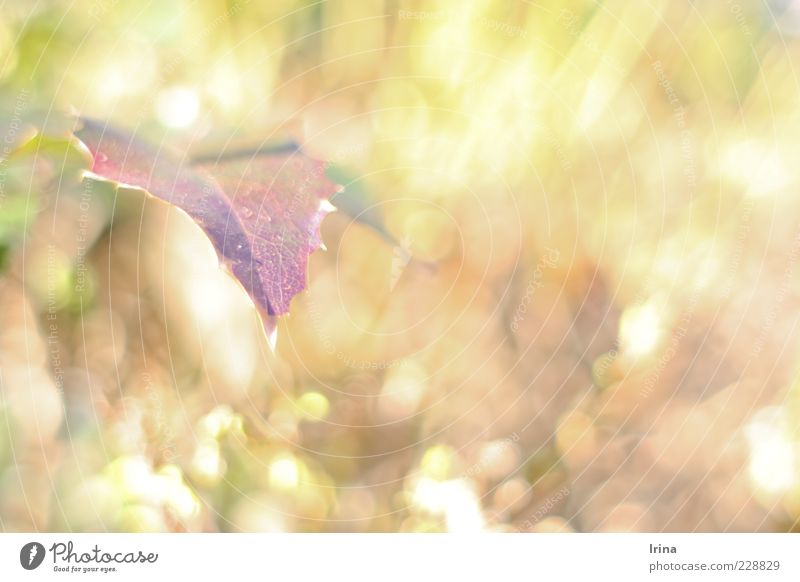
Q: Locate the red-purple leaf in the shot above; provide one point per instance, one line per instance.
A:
(261, 213)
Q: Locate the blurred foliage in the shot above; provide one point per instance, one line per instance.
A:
(581, 314)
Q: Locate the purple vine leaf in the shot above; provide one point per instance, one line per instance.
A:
(262, 214)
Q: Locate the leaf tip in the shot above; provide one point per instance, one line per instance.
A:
(271, 331)
(326, 206)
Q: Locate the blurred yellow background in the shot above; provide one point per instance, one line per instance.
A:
(578, 312)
